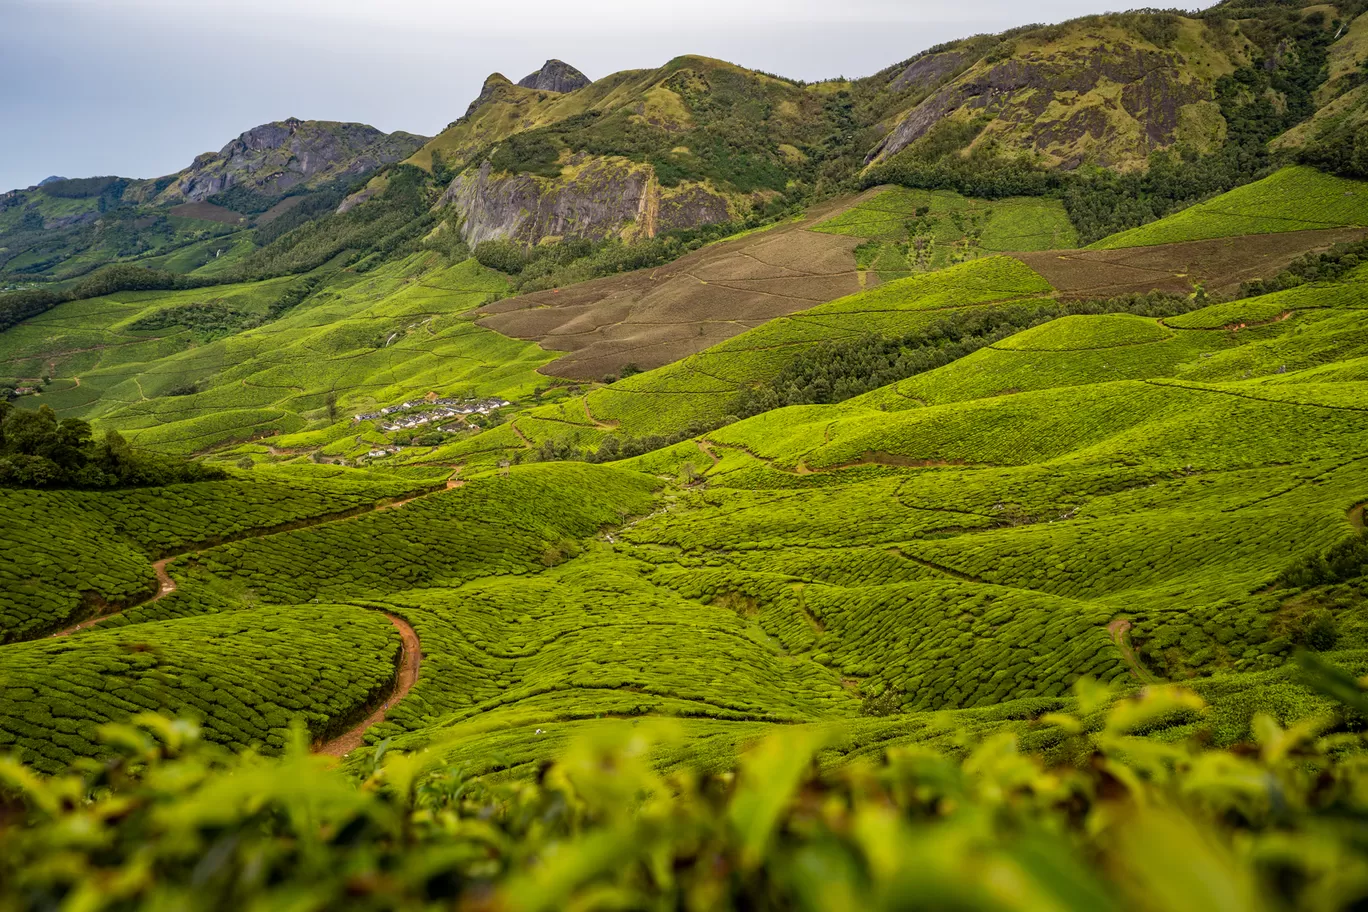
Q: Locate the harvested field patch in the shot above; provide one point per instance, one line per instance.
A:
(1218, 265)
(656, 316)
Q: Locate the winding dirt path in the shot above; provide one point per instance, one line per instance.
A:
(1355, 515)
(411, 659)
(166, 585)
(1119, 630)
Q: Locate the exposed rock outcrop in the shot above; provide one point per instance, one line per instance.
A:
(276, 157)
(555, 76)
(929, 70)
(596, 198)
(1112, 104)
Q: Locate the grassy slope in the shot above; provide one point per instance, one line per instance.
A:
(921, 230)
(962, 547)
(1293, 199)
(368, 340)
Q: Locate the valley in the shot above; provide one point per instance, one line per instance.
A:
(697, 488)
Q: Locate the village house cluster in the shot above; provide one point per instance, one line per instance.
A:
(435, 411)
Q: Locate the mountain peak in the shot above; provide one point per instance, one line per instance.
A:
(555, 76)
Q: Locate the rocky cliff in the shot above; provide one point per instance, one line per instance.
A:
(274, 158)
(555, 76)
(1087, 91)
(594, 198)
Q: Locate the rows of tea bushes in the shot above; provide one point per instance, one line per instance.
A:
(495, 525)
(72, 554)
(244, 676)
(59, 566)
(950, 644)
(1076, 803)
(1293, 199)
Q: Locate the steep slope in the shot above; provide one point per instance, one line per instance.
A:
(555, 76)
(275, 158)
(281, 174)
(1105, 90)
(634, 154)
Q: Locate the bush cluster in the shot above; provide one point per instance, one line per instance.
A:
(1123, 822)
(38, 451)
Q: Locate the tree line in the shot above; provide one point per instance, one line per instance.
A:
(39, 451)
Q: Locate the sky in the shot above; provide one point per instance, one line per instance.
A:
(138, 88)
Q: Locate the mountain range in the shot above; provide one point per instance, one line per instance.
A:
(694, 488)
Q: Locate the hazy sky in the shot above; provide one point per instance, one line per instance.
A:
(137, 88)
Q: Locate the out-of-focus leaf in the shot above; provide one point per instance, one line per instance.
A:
(1171, 862)
(1335, 683)
(1155, 704)
(1092, 694)
(768, 776)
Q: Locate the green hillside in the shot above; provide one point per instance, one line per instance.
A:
(1294, 199)
(987, 534)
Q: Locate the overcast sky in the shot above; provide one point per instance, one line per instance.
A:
(137, 88)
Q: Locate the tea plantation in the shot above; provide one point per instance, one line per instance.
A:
(1293, 199)
(69, 555)
(1015, 573)
(244, 675)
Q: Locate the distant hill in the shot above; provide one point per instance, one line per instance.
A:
(63, 228)
(277, 157)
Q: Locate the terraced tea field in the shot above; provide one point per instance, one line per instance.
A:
(939, 545)
(1110, 496)
(359, 343)
(1293, 199)
(69, 555)
(910, 231)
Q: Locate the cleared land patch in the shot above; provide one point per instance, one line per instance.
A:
(1219, 265)
(654, 317)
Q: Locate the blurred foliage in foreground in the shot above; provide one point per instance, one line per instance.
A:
(1131, 823)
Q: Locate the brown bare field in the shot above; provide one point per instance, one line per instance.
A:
(1219, 265)
(208, 212)
(656, 316)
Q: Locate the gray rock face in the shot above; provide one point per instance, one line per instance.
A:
(1022, 90)
(599, 199)
(273, 158)
(930, 70)
(555, 76)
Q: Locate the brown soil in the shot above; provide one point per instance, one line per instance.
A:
(411, 659)
(1356, 515)
(1219, 265)
(656, 316)
(165, 586)
(1119, 630)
